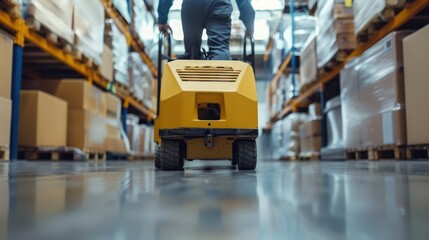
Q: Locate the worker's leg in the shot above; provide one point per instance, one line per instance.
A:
(218, 27)
(193, 21)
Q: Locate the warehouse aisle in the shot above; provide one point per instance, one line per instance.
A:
(280, 200)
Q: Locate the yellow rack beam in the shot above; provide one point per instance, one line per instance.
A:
(19, 27)
(411, 10)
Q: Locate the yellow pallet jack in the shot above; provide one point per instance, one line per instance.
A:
(207, 110)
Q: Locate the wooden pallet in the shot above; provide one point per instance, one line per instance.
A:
(377, 153)
(310, 156)
(417, 152)
(122, 89)
(338, 58)
(52, 37)
(376, 24)
(4, 153)
(80, 56)
(289, 158)
(60, 154)
(113, 156)
(11, 7)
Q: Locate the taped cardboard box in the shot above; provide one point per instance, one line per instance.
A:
(5, 121)
(6, 56)
(86, 130)
(311, 145)
(416, 56)
(78, 93)
(43, 120)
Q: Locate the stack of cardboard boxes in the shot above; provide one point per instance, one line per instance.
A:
(336, 30)
(416, 54)
(140, 136)
(372, 93)
(311, 133)
(114, 137)
(6, 52)
(42, 120)
(93, 120)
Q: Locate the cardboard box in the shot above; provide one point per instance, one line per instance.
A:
(345, 25)
(86, 129)
(311, 128)
(43, 120)
(387, 128)
(308, 67)
(311, 144)
(5, 121)
(106, 68)
(115, 145)
(6, 55)
(416, 55)
(78, 93)
(341, 11)
(113, 106)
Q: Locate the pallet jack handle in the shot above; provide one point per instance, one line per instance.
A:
(251, 57)
(162, 57)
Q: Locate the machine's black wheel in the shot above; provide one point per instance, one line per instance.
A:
(245, 152)
(157, 159)
(171, 155)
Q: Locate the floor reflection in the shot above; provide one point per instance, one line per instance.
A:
(280, 200)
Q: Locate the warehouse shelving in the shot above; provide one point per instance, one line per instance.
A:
(23, 34)
(410, 11)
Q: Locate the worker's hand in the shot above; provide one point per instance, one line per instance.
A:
(164, 28)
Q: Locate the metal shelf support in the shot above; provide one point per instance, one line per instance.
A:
(18, 52)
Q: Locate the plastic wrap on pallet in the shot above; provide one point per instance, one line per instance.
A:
(123, 9)
(288, 91)
(381, 89)
(55, 15)
(308, 62)
(330, 43)
(365, 11)
(140, 79)
(133, 133)
(120, 50)
(88, 25)
(305, 26)
(143, 23)
(290, 139)
(351, 118)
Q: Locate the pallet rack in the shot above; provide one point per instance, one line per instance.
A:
(412, 9)
(23, 34)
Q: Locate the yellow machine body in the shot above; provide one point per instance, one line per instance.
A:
(208, 105)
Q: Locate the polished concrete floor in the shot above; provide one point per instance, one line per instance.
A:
(280, 200)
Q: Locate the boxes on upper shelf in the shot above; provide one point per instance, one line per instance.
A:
(88, 26)
(55, 15)
(123, 9)
(308, 62)
(6, 55)
(42, 121)
(336, 36)
(416, 56)
(5, 121)
(106, 68)
(367, 11)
